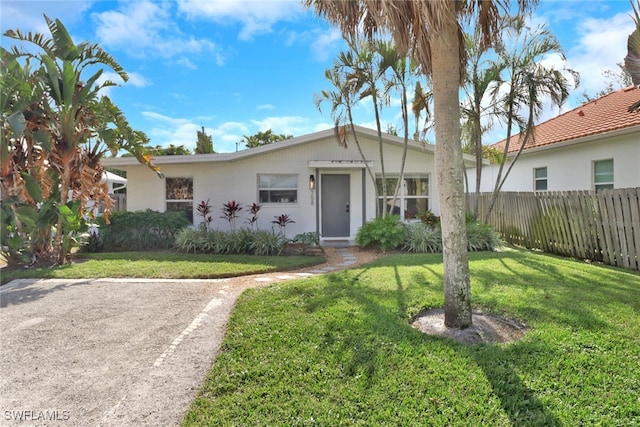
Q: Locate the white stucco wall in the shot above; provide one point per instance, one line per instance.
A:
(570, 167)
(220, 182)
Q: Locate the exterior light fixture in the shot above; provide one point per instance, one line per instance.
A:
(312, 182)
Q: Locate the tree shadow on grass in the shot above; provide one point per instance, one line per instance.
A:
(382, 321)
(500, 366)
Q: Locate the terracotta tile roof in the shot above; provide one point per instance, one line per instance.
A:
(601, 115)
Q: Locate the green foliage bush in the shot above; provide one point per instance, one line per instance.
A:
(244, 241)
(268, 243)
(423, 238)
(309, 238)
(142, 230)
(482, 237)
(429, 218)
(385, 233)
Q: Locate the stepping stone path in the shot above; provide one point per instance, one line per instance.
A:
(348, 259)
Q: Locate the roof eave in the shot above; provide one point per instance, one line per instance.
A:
(582, 140)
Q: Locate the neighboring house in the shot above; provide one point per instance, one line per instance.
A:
(594, 146)
(114, 182)
(323, 186)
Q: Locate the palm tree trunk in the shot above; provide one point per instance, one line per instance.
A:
(58, 244)
(449, 174)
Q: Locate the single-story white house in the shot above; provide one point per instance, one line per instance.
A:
(320, 184)
(594, 146)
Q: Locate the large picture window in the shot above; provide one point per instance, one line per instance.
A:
(278, 188)
(179, 196)
(540, 179)
(603, 174)
(413, 197)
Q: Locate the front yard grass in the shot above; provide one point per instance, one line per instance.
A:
(163, 265)
(339, 350)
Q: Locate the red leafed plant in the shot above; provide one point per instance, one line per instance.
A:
(253, 219)
(230, 213)
(282, 221)
(204, 210)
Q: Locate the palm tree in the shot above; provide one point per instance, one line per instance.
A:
(430, 31)
(263, 138)
(529, 84)
(401, 72)
(367, 63)
(632, 60)
(421, 101)
(483, 71)
(73, 125)
(343, 99)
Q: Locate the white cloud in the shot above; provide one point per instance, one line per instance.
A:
(147, 29)
(165, 130)
(227, 136)
(601, 44)
(138, 80)
(20, 14)
(256, 17)
(326, 44)
(265, 107)
(135, 79)
(288, 125)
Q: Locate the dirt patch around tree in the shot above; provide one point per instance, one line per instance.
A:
(486, 328)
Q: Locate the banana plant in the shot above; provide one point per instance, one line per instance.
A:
(67, 121)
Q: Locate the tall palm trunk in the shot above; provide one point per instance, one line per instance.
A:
(449, 172)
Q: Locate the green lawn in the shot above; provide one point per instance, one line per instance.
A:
(338, 350)
(168, 265)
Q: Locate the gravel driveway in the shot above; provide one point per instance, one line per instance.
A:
(110, 352)
(107, 352)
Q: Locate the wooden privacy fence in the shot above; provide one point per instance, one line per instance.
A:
(602, 226)
(120, 202)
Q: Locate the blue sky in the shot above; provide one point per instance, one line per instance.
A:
(239, 67)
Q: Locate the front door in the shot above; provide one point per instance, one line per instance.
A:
(335, 204)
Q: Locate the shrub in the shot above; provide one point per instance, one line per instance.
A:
(244, 241)
(239, 242)
(482, 237)
(268, 243)
(429, 218)
(304, 242)
(423, 238)
(385, 233)
(142, 230)
(189, 240)
(310, 238)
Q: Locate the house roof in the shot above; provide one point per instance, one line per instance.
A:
(606, 115)
(112, 177)
(280, 145)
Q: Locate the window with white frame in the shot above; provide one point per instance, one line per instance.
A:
(278, 188)
(413, 196)
(179, 196)
(540, 179)
(603, 174)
